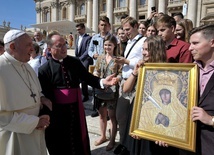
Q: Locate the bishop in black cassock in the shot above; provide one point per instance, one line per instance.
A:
(60, 78)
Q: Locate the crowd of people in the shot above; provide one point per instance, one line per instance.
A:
(41, 101)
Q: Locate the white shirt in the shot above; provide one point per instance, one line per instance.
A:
(80, 40)
(35, 63)
(134, 56)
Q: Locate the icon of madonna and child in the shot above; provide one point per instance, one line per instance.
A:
(164, 103)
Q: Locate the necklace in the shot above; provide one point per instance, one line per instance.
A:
(33, 95)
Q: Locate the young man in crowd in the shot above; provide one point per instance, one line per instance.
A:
(81, 52)
(96, 46)
(177, 50)
(132, 54)
(202, 49)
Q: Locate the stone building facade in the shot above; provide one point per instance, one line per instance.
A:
(89, 11)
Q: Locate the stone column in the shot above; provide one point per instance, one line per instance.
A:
(151, 3)
(38, 15)
(192, 11)
(161, 6)
(133, 8)
(72, 11)
(109, 4)
(54, 14)
(89, 13)
(42, 15)
(95, 16)
(200, 14)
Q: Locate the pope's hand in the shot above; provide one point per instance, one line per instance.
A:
(44, 122)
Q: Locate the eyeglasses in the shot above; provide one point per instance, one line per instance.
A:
(59, 47)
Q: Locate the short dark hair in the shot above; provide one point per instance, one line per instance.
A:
(179, 14)
(104, 19)
(207, 31)
(82, 25)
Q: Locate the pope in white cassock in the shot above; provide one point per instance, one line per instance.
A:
(21, 127)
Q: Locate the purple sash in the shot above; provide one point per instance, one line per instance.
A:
(71, 95)
(66, 96)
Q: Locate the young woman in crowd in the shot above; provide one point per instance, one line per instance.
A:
(143, 27)
(154, 51)
(183, 27)
(151, 30)
(122, 41)
(105, 66)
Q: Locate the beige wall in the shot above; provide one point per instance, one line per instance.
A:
(202, 8)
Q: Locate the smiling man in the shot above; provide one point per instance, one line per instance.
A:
(132, 54)
(21, 127)
(60, 78)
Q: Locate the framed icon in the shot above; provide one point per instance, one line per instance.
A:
(165, 94)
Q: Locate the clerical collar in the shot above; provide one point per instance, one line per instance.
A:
(60, 60)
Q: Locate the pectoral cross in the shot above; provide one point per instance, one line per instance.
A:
(34, 96)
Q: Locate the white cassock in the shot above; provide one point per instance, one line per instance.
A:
(18, 110)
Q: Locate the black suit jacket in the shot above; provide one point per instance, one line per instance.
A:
(205, 138)
(82, 51)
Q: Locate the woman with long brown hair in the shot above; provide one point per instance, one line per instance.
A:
(154, 51)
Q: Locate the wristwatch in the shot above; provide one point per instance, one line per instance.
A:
(213, 121)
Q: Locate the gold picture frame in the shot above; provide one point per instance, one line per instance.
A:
(165, 94)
